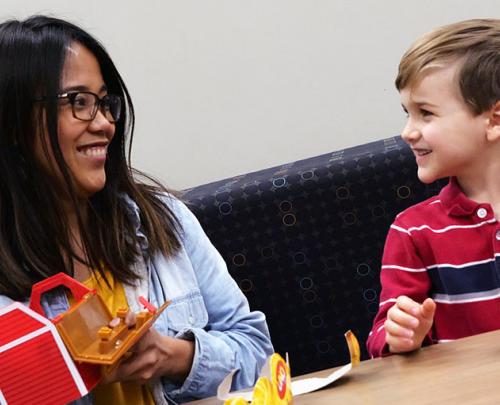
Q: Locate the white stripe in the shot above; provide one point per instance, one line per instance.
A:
(438, 265)
(442, 230)
(434, 202)
(49, 327)
(411, 270)
(386, 301)
(445, 340)
(26, 310)
(24, 339)
(380, 328)
(3, 401)
(398, 228)
(460, 266)
(468, 297)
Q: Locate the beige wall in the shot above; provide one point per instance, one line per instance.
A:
(230, 86)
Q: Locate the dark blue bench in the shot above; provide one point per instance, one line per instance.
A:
(304, 242)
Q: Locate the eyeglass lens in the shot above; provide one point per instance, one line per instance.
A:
(85, 106)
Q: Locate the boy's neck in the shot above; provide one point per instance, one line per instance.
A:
(483, 187)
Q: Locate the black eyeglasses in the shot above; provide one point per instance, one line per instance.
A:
(85, 104)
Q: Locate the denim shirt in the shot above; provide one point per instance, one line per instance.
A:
(206, 306)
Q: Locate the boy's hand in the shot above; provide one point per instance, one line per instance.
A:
(407, 324)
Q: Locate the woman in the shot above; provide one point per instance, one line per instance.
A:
(69, 202)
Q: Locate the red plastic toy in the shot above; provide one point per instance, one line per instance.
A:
(56, 361)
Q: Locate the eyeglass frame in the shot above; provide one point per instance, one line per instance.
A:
(98, 104)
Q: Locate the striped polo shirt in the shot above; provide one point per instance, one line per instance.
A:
(446, 248)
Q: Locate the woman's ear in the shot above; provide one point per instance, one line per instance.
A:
(493, 125)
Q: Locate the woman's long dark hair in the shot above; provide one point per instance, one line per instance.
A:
(35, 240)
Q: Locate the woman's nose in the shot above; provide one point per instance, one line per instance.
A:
(101, 124)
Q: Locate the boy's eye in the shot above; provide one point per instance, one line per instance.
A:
(425, 113)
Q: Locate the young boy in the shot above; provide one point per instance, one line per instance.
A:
(441, 265)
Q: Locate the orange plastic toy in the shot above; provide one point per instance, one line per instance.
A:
(85, 327)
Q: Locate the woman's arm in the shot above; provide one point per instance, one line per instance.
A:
(234, 338)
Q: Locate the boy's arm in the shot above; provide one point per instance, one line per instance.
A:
(403, 274)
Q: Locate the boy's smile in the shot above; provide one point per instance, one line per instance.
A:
(419, 153)
(445, 136)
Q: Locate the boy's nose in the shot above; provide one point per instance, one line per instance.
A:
(410, 134)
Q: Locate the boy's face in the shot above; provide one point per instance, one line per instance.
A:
(445, 136)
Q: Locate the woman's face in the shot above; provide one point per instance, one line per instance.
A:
(83, 144)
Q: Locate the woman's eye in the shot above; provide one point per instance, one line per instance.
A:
(425, 113)
(105, 104)
(81, 101)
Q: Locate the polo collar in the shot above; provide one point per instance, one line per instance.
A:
(455, 202)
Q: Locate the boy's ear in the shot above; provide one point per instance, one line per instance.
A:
(493, 125)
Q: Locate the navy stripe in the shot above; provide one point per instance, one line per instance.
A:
(471, 279)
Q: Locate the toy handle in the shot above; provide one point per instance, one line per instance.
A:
(60, 279)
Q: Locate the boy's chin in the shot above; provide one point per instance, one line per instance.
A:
(427, 178)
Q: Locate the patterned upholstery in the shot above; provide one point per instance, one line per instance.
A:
(304, 242)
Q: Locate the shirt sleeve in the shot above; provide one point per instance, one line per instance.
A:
(234, 338)
(402, 273)
(4, 301)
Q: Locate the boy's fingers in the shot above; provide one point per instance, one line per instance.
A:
(402, 318)
(398, 344)
(427, 309)
(394, 329)
(407, 305)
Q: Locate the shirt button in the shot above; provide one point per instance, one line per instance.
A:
(497, 236)
(191, 320)
(481, 213)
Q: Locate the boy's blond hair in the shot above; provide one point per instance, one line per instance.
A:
(476, 44)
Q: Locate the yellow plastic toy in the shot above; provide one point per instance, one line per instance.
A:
(353, 345)
(275, 386)
(270, 391)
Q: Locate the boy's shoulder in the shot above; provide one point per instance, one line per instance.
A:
(451, 207)
(422, 213)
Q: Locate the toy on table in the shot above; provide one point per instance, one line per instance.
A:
(37, 367)
(274, 387)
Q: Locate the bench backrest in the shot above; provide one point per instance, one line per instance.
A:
(304, 242)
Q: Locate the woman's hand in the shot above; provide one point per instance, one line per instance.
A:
(154, 356)
(407, 324)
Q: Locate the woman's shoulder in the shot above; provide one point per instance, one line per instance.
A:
(174, 203)
(181, 213)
